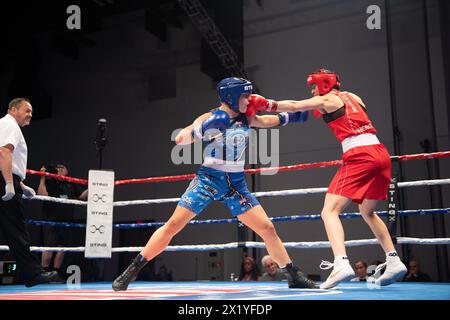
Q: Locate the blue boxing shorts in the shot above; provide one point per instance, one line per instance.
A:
(229, 188)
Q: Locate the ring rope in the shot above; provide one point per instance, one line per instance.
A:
(252, 244)
(334, 163)
(317, 244)
(261, 194)
(352, 215)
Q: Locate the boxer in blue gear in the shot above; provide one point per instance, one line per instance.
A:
(224, 131)
(221, 177)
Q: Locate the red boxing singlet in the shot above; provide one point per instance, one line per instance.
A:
(366, 166)
(350, 120)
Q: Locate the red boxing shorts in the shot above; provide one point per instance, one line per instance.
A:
(365, 174)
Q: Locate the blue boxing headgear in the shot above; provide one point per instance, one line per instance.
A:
(230, 90)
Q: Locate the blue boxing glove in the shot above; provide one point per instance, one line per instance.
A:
(217, 123)
(288, 117)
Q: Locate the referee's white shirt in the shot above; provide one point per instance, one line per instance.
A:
(10, 133)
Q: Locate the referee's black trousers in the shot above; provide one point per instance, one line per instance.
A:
(13, 228)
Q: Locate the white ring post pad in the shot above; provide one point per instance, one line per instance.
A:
(99, 214)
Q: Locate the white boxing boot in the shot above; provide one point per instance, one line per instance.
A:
(395, 269)
(342, 271)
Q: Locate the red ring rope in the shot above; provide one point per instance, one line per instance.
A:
(303, 166)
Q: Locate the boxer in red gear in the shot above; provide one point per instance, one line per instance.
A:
(363, 178)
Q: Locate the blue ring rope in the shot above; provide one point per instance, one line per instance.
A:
(401, 213)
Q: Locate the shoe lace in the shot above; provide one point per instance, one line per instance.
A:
(379, 268)
(129, 272)
(325, 265)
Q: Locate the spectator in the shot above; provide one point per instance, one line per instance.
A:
(249, 270)
(414, 274)
(361, 271)
(57, 236)
(273, 272)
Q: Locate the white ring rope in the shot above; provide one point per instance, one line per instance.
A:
(251, 244)
(290, 192)
(60, 200)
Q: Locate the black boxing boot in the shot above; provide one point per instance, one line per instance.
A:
(297, 279)
(43, 277)
(130, 274)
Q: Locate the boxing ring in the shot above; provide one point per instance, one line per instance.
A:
(220, 290)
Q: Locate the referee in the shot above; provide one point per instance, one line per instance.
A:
(13, 164)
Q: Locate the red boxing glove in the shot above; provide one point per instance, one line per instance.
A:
(261, 103)
(251, 111)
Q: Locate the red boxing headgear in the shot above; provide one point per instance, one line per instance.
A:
(324, 79)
